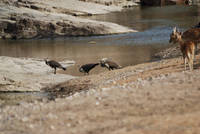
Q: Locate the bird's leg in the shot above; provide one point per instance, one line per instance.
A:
(55, 70)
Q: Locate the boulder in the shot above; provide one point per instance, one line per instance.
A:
(164, 2)
(28, 74)
(25, 19)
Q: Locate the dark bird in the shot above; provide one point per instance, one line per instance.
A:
(54, 64)
(110, 65)
(87, 67)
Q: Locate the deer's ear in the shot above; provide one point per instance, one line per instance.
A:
(174, 29)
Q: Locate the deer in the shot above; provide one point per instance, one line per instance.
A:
(187, 47)
(192, 34)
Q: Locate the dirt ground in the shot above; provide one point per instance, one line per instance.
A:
(151, 98)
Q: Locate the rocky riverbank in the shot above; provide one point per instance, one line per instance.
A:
(25, 19)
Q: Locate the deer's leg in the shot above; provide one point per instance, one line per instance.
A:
(193, 57)
(189, 58)
(185, 62)
(195, 52)
(190, 64)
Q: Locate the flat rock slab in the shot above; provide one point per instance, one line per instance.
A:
(28, 74)
(50, 18)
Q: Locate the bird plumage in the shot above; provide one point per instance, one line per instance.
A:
(87, 67)
(54, 64)
(110, 65)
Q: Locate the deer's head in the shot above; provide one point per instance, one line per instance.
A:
(175, 36)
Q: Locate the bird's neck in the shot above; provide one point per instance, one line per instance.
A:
(46, 62)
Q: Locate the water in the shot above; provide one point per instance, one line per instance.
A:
(146, 18)
(153, 23)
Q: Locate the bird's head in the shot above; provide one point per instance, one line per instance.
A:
(46, 60)
(78, 65)
(103, 60)
(81, 70)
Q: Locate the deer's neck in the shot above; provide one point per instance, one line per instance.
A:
(180, 40)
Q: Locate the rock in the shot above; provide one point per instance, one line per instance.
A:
(164, 2)
(52, 127)
(171, 52)
(105, 89)
(97, 103)
(52, 116)
(120, 3)
(26, 74)
(151, 2)
(25, 119)
(32, 19)
(31, 126)
(68, 125)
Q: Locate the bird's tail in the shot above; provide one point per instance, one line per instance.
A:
(64, 68)
(96, 64)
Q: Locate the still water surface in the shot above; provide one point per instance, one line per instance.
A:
(153, 23)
